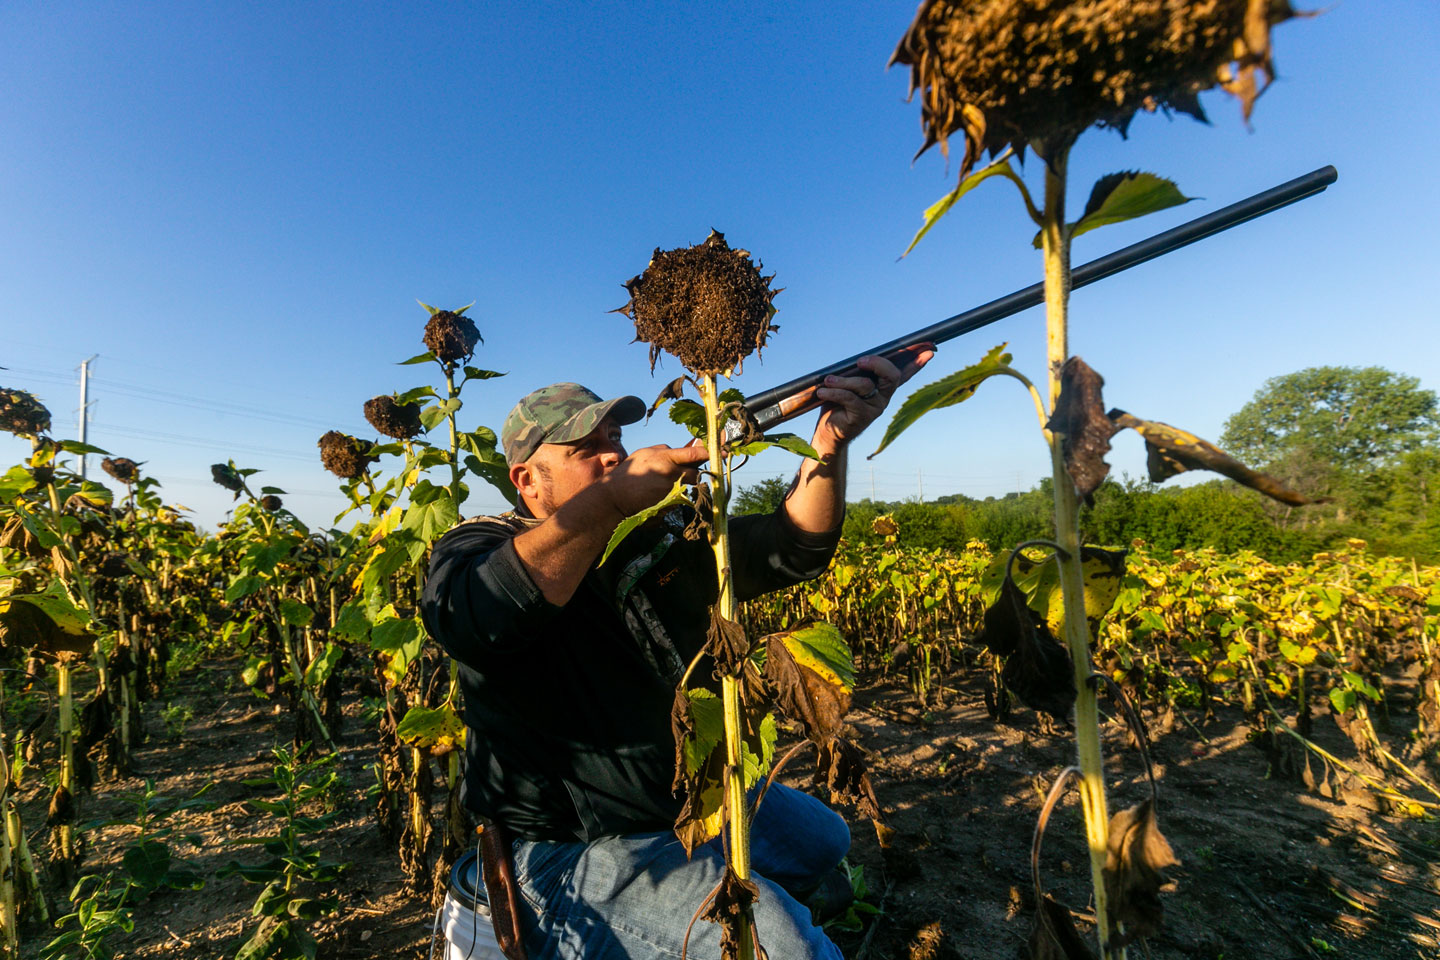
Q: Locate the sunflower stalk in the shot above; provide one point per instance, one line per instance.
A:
(1055, 238)
(65, 830)
(738, 821)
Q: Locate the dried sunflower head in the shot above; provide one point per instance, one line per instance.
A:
(398, 420)
(707, 305)
(451, 336)
(121, 468)
(271, 502)
(22, 414)
(1018, 72)
(343, 455)
(227, 477)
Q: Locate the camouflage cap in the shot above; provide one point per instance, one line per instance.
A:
(560, 413)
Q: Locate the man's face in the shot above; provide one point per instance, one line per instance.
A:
(558, 471)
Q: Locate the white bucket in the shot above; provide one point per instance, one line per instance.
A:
(464, 919)
(469, 934)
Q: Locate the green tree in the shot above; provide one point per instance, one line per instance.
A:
(1322, 418)
(763, 497)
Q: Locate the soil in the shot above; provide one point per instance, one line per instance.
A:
(1270, 869)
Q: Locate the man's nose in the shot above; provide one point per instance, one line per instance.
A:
(612, 454)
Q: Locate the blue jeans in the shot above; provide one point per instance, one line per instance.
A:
(633, 896)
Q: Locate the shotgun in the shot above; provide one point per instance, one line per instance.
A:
(789, 400)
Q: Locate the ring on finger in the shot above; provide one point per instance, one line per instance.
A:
(874, 392)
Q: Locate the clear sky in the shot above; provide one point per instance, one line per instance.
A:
(236, 206)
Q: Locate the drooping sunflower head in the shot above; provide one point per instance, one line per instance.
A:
(451, 336)
(21, 414)
(398, 420)
(1017, 72)
(271, 503)
(707, 305)
(121, 468)
(343, 455)
(227, 477)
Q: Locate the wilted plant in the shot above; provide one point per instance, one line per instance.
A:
(410, 512)
(1007, 74)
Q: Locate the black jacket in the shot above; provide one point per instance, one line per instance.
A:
(568, 708)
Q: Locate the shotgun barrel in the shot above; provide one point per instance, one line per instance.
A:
(791, 399)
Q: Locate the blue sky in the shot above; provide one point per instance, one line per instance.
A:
(236, 206)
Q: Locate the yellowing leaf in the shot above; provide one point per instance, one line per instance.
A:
(424, 727)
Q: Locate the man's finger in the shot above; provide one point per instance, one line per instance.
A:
(688, 455)
(848, 399)
(887, 375)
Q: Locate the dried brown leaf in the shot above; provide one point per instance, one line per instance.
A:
(725, 641)
(732, 901)
(1137, 853)
(843, 768)
(1079, 418)
(1172, 450)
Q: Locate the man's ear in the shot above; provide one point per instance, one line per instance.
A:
(523, 476)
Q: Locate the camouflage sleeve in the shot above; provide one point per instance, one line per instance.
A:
(769, 553)
(478, 598)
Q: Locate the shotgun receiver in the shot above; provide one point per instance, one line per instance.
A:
(789, 400)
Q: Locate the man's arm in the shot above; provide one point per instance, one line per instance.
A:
(817, 502)
(558, 553)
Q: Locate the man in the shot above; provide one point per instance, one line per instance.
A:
(569, 672)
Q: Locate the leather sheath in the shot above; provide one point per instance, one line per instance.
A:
(498, 867)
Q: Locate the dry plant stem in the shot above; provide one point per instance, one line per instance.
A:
(738, 824)
(1056, 242)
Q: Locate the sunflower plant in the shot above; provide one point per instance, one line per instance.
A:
(1007, 76)
(710, 307)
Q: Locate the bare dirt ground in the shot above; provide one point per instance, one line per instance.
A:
(1270, 868)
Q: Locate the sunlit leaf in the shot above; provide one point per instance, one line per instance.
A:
(938, 209)
(785, 441)
(675, 497)
(946, 392)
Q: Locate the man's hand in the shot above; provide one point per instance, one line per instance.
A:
(853, 403)
(644, 477)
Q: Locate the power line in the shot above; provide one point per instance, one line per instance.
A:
(175, 439)
(149, 394)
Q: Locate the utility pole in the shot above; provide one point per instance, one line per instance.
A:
(872, 484)
(920, 475)
(85, 403)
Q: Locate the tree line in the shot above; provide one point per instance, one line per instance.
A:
(1364, 440)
